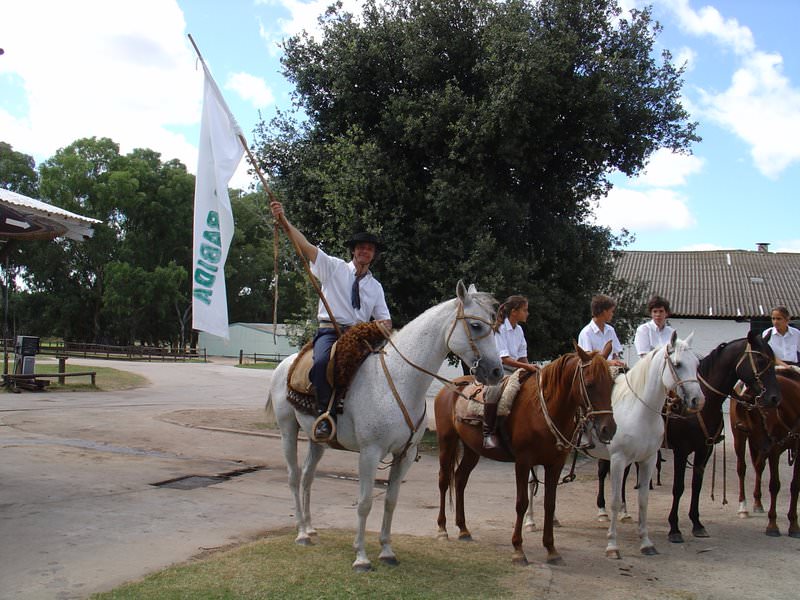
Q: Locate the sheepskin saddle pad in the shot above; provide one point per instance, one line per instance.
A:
(349, 351)
(469, 406)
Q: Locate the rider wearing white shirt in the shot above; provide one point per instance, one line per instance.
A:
(594, 336)
(513, 350)
(353, 294)
(655, 333)
(784, 339)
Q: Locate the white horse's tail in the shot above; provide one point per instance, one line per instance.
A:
(269, 410)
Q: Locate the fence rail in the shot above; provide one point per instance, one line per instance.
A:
(148, 353)
(257, 357)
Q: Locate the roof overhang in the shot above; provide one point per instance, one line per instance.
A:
(24, 218)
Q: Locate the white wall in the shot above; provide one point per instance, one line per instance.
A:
(708, 334)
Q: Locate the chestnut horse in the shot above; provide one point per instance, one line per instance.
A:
(770, 432)
(548, 416)
(748, 359)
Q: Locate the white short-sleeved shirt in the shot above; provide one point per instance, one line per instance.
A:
(785, 346)
(592, 339)
(649, 337)
(337, 277)
(510, 341)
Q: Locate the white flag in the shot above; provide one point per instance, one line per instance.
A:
(219, 155)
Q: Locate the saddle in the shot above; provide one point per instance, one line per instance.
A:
(347, 354)
(470, 409)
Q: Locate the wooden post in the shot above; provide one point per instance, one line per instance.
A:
(62, 368)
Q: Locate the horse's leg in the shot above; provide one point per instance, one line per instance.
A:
(396, 474)
(289, 430)
(315, 452)
(698, 470)
(658, 468)
(522, 473)
(739, 447)
(469, 459)
(617, 473)
(794, 489)
(530, 525)
(679, 457)
(551, 475)
(759, 463)
(646, 468)
(603, 467)
(623, 511)
(367, 466)
(448, 449)
(774, 488)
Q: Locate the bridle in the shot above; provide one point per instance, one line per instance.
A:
(585, 411)
(747, 355)
(461, 317)
(677, 382)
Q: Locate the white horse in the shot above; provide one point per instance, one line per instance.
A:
(374, 423)
(637, 401)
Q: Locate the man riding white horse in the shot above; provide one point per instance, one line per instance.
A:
(353, 295)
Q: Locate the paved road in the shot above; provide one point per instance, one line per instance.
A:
(79, 511)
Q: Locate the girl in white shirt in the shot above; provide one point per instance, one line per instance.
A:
(784, 339)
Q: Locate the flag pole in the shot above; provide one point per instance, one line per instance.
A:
(281, 220)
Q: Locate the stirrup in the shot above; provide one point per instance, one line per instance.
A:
(326, 416)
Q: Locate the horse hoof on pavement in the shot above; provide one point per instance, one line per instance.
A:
(743, 514)
(531, 528)
(700, 532)
(442, 535)
(555, 560)
(304, 541)
(625, 518)
(773, 532)
(675, 538)
(362, 567)
(389, 561)
(519, 560)
(613, 554)
(556, 523)
(758, 510)
(465, 537)
(602, 518)
(649, 551)
(794, 534)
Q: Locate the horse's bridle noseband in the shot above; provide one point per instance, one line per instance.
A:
(460, 316)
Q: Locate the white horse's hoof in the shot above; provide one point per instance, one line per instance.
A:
(649, 551)
(614, 553)
(624, 517)
(743, 514)
(602, 516)
(362, 567)
(531, 527)
(303, 541)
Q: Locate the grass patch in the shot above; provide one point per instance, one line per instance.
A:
(258, 365)
(107, 379)
(277, 568)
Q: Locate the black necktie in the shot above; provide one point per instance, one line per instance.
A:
(355, 295)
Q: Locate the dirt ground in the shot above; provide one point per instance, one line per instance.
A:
(81, 509)
(737, 561)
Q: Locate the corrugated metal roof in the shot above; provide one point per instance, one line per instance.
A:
(53, 220)
(717, 283)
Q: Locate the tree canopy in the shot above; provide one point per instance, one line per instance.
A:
(473, 136)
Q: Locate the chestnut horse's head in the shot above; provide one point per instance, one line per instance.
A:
(594, 382)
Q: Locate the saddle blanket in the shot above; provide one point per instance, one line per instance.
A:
(470, 409)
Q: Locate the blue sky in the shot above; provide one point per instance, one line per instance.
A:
(124, 69)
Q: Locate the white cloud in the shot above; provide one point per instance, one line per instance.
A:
(786, 246)
(303, 16)
(251, 88)
(110, 69)
(760, 106)
(667, 169)
(702, 248)
(648, 210)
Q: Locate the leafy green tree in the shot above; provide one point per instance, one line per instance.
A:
(474, 136)
(17, 171)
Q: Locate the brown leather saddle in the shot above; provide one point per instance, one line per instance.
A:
(469, 406)
(347, 355)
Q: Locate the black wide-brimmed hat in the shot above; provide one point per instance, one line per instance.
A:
(363, 236)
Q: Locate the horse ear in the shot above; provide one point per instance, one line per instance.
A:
(673, 338)
(461, 291)
(607, 349)
(752, 337)
(768, 336)
(580, 351)
(688, 340)
(472, 289)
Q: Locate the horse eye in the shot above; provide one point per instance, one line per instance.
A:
(475, 326)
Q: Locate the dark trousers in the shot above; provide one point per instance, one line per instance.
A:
(323, 342)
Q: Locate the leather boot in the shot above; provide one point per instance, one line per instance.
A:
(490, 440)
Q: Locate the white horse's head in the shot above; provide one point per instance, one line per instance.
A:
(471, 336)
(680, 372)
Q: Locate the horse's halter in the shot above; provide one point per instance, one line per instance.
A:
(587, 412)
(748, 353)
(460, 316)
(677, 382)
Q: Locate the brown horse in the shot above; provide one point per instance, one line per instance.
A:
(547, 418)
(770, 432)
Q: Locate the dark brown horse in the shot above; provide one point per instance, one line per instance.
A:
(770, 432)
(547, 417)
(750, 360)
